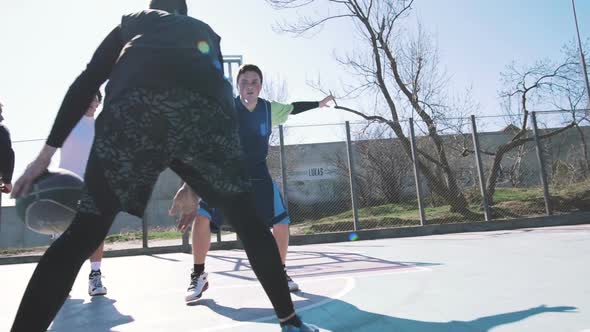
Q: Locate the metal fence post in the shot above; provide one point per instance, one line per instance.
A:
(283, 167)
(185, 244)
(144, 232)
(542, 173)
(352, 180)
(482, 180)
(416, 173)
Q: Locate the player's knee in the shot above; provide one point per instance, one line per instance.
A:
(201, 219)
(85, 234)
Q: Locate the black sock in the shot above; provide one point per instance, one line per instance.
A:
(199, 268)
(293, 321)
(284, 267)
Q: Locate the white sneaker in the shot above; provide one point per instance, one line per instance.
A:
(95, 286)
(198, 285)
(293, 286)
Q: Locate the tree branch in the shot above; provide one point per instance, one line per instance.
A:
(366, 117)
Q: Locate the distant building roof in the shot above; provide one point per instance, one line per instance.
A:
(510, 128)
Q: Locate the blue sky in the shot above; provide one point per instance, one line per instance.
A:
(45, 45)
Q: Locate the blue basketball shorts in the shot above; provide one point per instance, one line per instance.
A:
(273, 210)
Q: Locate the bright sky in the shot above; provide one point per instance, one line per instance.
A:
(45, 44)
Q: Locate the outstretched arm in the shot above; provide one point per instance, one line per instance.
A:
(72, 109)
(84, 88)
(280, 112)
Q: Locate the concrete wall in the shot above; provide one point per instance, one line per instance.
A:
(14, 233)
(312, 180)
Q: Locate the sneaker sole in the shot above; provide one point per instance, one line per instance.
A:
(100, 293)
(192, 299)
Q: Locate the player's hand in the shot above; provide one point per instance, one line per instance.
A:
(183, 224)
(5, 187)
(23, 185)
(184, 206)
(324, 102)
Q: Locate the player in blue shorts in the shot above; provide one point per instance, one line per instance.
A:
(256, 117)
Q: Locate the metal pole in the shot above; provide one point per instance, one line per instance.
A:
(482, 182)
(230, 72)
(543, 174)
(1, 187)
(144, 231)
(283, 167)
(352, 180)
(185, 244)
(416, 173)
(582, 58)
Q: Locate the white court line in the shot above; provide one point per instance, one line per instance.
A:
(311, 279)
(350, 283)
(306, 279)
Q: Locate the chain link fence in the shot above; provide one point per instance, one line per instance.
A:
(565, 160)
(315, 182)
(384, 180)
(352, 176)
(510, 169)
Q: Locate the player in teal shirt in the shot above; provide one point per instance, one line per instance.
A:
(256, 117)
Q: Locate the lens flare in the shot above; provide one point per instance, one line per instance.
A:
(203, 47)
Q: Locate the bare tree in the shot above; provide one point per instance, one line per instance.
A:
(274, 88)
(399, 69)
(381, 173)
(527, 85)
(573, 95)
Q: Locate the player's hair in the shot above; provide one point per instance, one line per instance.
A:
(171, 6)
(249, 67)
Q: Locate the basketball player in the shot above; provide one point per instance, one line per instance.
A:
(167, 104)
(74, 156)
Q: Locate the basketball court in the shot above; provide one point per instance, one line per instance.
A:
(522, 280)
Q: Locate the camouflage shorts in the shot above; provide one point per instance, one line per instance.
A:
(146, 131)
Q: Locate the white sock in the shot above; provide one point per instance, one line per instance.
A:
(95, 266)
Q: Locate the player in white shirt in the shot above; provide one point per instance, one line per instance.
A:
(74, 157)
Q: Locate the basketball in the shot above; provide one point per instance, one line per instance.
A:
(51, 205)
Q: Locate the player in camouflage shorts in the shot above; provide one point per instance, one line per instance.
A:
(167, 104)
(140, 135)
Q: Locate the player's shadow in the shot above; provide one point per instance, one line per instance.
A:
(98, 315)
(338, 315)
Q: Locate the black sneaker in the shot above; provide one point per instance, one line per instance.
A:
(304, 328)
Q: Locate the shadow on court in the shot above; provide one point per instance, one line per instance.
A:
(338, 315)
(97, 315)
